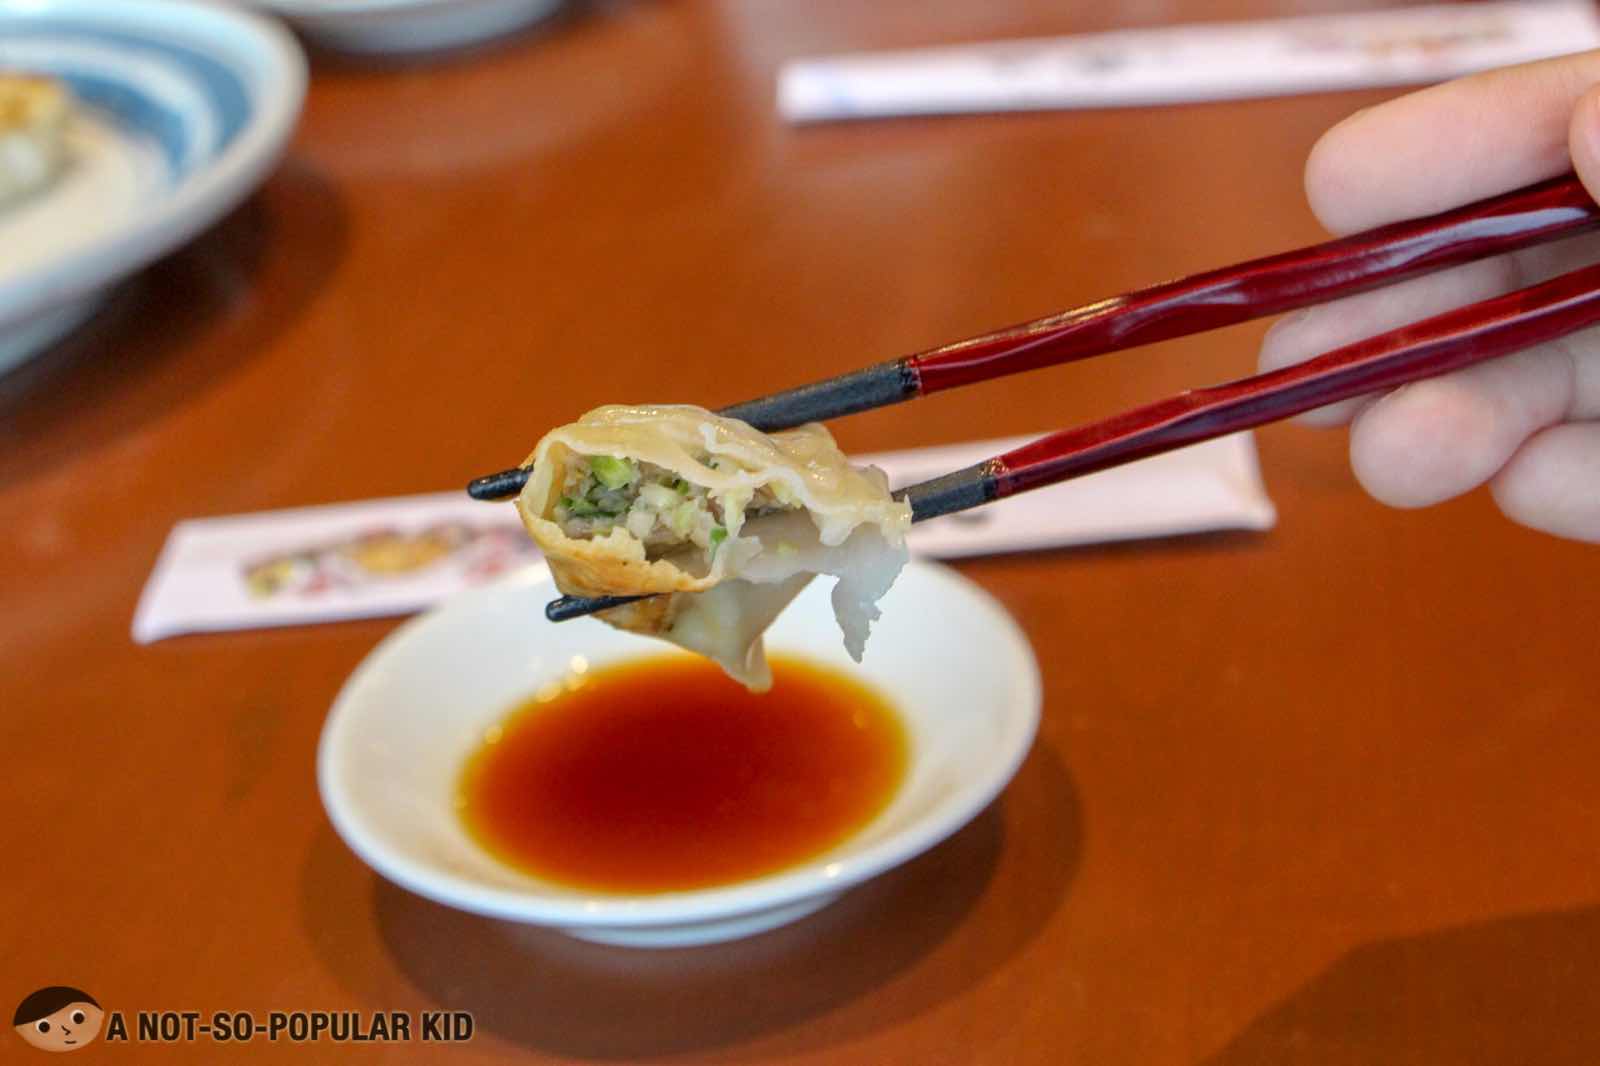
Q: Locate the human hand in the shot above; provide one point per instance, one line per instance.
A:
(1527, 424)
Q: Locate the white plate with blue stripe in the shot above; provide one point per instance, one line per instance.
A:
(183, 107)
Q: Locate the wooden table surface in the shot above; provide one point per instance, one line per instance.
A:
(1325, 794)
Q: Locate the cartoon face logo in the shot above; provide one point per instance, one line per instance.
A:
(58, 1018)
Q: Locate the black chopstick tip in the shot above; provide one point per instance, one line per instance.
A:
(958, 490)
(569, 607)
(559, 610)
(859, 390)
(498, 486)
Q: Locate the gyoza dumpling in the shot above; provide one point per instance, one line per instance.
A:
(728, 522)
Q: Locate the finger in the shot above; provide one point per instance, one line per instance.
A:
(1431, 440)
(1448, 145)
(1583, 139)
(1552, 483)
(1316, 330)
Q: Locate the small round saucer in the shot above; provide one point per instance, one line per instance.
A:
(952, 661)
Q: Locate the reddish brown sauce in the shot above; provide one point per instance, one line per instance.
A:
(663, 774)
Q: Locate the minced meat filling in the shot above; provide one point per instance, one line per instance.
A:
(655, 505)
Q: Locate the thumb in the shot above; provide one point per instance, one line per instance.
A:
(1583, 140)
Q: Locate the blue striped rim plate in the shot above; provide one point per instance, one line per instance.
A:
(186, 105)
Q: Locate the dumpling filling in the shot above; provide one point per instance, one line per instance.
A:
(658, 508)
(720, 524)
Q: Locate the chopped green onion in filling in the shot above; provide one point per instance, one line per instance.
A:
(580, 507)
(612, 472)
(659, 508)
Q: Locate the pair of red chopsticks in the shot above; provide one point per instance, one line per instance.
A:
(1535, 215)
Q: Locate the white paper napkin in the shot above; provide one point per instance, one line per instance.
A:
(1173, 64)
(1209, 486)
(395, 556)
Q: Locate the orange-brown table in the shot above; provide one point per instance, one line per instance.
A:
(1324, 794)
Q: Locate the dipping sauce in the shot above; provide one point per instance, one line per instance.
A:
(662, 773)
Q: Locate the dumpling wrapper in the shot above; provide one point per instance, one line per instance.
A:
(849, 527)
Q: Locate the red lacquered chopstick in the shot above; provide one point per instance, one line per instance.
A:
(1424, 349)
(1534, 215)
(1225, 297)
